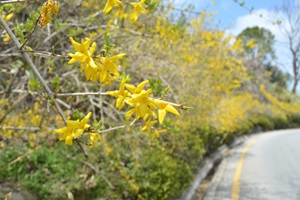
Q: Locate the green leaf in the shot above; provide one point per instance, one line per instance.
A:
(124, 75)
(164, 93)
(156, 86)
(107, 44)
(34, 84)
(56, 82)
(77, 115)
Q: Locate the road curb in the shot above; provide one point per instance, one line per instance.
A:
(209, 163)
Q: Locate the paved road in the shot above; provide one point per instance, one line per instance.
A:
(264, 167)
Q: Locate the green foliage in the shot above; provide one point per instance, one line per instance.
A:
(56, 82)
(34, 84)
(278, 76)
(156, 86)
(107, 44)
(162, 177)
(263, 122)
(264, 41)
(44, 172)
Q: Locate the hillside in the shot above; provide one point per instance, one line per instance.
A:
(114, 78)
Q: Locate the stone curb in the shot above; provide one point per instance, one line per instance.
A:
(209, 163)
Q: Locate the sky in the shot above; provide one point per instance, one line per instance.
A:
(234, 19)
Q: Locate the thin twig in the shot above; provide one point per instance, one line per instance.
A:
(81, 94)
(117, 127)
(45, 54)
(181, 106)
(11, 1)
(19, 128)
(101, 107)
(35, 25)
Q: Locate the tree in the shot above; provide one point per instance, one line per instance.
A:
(278, 76)
(258, 42)
(289, 13)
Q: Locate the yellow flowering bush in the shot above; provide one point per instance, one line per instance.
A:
(104, 75)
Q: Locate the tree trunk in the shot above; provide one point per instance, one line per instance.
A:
(295, 85)
(296, 71)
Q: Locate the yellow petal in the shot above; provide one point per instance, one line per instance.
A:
(69, 140)
(6, 38)
(93, 48)
(61, 130)
(171, 109)
(129, 113)
(85, 119)
(110, 4)
(77, 57)
(117, 57)
(143, 10)
(86, 44)
(78, 133)
(130, 87)
(120, 103)
(142, 85)
(9, 17)
(113, 93)
(76, 45)
(92, 64)
(161, 115)
(73, 124)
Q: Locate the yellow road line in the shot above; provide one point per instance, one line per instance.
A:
(235, 192)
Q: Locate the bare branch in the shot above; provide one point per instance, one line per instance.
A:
(19, 128)
(11, 1)
(81, 94)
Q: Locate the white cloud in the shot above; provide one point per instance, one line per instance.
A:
(262, 18)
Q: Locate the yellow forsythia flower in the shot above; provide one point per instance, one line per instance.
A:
(6, 38)
(74, 129)
(148, 125)
(84, 56)
(109, 69)
(94, 137)
(8, 17)
(121, 95)
(110, 4)
(138, 8)
(106, 69)
(48, 7)
(163, 108)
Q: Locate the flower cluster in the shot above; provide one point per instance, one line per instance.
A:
(137, 8)
(48, 7)
(142, 103)
(95, 67)
(75, 129)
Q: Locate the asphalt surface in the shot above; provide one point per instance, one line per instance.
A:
(264, 167)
